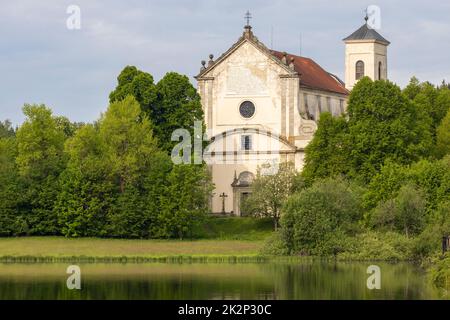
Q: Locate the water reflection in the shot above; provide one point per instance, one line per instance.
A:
(275, 280)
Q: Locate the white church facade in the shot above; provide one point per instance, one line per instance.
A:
(261, 107)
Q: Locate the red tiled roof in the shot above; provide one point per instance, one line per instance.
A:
(312, 75)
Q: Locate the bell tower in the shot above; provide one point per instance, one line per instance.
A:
(365, 55)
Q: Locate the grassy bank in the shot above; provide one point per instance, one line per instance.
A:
(222, 239)
(60, 248)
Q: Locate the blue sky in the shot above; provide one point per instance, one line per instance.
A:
(73, 71)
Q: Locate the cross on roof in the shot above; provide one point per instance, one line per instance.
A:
(247, 17)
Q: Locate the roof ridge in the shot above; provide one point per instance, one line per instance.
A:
(313, 75)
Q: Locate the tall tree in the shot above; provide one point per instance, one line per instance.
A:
(184, 201)
(173, 103)
(128, 141)
(10, 189)
(40, 160)
(384, 124)
(434, 100)
(330, 143)
(178, 106)
(107, 163)
(138, 84)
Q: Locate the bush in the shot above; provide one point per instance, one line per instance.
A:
(430, 240)
(316, 220)
(440, 272)
(275, 246)
(433, 177)
(406, 213)
(371, 245)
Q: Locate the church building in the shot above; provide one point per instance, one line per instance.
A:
(261, 107)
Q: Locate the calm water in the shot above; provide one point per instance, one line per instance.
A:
(275, 280)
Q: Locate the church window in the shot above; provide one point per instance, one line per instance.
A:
(329, 105)
(379, 70)
(246, 142)
(247, 109)
(359, 70)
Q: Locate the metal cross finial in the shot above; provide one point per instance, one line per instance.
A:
(248, 16)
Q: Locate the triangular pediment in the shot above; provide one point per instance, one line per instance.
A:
(247, 37)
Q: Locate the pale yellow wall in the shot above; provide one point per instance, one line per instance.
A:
(371, 53)
(250, 74)
(247, 74)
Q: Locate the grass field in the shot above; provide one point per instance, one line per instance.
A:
(223, 238)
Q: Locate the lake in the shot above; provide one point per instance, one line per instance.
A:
(271, 280)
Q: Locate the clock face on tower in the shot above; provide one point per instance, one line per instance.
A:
(247, 109)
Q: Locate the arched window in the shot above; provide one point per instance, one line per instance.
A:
(379, 70)
(359, 70)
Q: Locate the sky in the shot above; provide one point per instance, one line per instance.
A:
(73, 71)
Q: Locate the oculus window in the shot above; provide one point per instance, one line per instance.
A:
(247, 109)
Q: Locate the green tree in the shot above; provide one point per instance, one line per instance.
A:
(442, 105)
(128, 141)
(435, 101)
(269, 192)
(413, 88)
(6, 129)
(177, 106)
(430, 176)
(385, 184)
(443, 137)
(138, 84)
(65, 125)
(40, 160)
(184, 201)
(87, 189)
(107, 165)
(40, 144)
(173, 103)
(10, 189)
(384, 124)
(406, 213)
(316, 220)
(327, 153)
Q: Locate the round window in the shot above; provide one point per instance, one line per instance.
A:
(247, 109)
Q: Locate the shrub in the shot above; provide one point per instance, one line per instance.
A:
(429, 241)
(440, 272)
(405, 213)
(274, 246)
(379, 246)
(316, 220)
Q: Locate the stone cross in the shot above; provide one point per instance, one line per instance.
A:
(223, 196)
